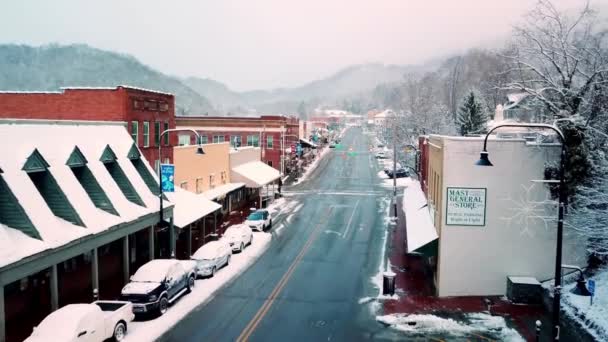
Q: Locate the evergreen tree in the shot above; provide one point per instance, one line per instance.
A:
(471, 118)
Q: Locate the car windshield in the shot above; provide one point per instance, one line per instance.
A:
(207, 252)
(256, 216)
(153, 272)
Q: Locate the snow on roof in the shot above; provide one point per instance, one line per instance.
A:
(254, 174)
(28, 92)
(114, 88)
(524, 280)
(385, 114)
(306, 141)
(222, 190)
(420, 229)
(55, 142)
(190, 207)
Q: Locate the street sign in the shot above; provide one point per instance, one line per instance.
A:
(167, 174)
(591, 286)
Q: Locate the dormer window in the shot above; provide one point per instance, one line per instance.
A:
(37, 169)
(78, 164)
(12, 214)
(135, 156)
(108, 158)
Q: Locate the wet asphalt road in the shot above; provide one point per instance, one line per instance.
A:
(307, 285)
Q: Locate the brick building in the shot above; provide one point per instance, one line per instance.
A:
(274, 134)
(146, 113)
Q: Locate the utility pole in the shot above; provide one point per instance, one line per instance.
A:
(395, 167)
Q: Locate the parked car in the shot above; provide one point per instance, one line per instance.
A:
(159, 283)
(211, 257)
(238, 236)
(93, 322)
(381, 155)
(259, 220)
(388, 166)
(332, 145)
(400, 173)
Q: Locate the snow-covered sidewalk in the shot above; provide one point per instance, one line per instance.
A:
(310, 168)
(594, 318)
(204, 290)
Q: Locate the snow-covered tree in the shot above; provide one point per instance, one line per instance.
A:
(471, 118)
(558, 57)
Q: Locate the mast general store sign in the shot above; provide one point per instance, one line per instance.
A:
(466, 207)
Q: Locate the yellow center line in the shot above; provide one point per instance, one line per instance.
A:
(257, 318)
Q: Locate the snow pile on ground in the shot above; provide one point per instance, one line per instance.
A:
(308, 169)
(476, 323)
(593, 317)
(204, 290)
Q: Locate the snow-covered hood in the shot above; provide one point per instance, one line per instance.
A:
(139, 288)
(254, 223)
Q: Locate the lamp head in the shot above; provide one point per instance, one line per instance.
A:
(199, 150)
(581, 288)
(483, 159)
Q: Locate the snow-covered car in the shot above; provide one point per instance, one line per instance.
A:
(400, 173)
(159, 283)
(259, 220)
(211, 257)
(380, 155)
(238, 236)
(93, 322)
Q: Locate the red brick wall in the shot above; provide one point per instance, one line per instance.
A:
(97, 105)
(106, 105)
(423, 147)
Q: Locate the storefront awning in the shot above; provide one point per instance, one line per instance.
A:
(189, 207)
(255, 174)
(307, 143)
(219, 192)
(420, 230)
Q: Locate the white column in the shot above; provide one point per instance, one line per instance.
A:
(54, 289)
(125, 259)
(172, 238)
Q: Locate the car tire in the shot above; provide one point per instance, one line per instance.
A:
(228, 260)
(163, 305)
(270, 224)
(251, 240)
(212, 272)
(120, 331)
(191, 283)
(241, 248)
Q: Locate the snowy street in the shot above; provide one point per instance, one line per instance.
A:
(319, 278)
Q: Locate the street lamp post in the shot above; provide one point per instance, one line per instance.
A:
(199, 151)
(485, 161)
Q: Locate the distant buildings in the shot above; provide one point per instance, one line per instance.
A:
(276, 135)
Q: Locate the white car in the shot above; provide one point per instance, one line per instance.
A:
(381, 155)
(93, 322)
(238, 236)
(259, 220)
(211, 257)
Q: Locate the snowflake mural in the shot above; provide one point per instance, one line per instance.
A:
(528, 214)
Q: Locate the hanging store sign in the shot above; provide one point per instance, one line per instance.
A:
(466, 206)
(167, 174)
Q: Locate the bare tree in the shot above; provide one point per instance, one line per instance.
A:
(558, 57)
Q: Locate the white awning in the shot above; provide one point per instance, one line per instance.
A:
(222, 190)
(308, 142)
(419, 226)
(255, 174)
(189, 207)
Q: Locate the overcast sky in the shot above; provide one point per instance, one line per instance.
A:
(252, 44)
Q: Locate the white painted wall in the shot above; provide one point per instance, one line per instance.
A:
(477, 260)
(244, 155)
